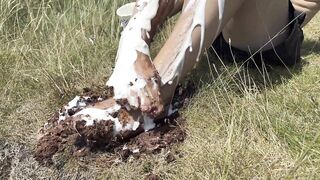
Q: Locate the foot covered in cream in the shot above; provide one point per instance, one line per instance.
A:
(137, 85)
(135, 79)
(149, 98)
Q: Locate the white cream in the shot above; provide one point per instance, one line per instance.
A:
(77, 103)
(73, 103)
(62, 117)
(148, 123)
(197, 8)
(91, 115)
(221, 4)
(132, 125)
(126, 82)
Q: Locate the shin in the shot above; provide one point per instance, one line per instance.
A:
(135, 78)
(200, 23)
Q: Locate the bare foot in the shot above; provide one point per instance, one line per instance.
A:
(150, 100)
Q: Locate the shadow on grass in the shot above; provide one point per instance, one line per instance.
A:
(310, 46)
(241, 77)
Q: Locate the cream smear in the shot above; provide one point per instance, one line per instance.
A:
(93, 115)
(197, 8)
(126, 82)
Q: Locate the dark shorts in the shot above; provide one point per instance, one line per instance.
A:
(287, 53)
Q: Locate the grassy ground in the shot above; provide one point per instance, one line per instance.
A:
(241, 123)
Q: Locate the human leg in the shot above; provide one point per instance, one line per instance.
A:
(256, 22)
(134, 79)
(259, 37)
(183, 47)
(310, 7)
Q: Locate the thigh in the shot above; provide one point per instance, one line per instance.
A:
(256, 22)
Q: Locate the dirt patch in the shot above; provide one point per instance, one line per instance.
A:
(5, 161)
(152, 177)
(76, 139)
(98, 92)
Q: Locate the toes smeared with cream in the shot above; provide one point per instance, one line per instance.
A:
(135, 78)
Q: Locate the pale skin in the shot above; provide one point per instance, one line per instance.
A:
(249, 24)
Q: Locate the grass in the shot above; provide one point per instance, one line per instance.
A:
(241, 123)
